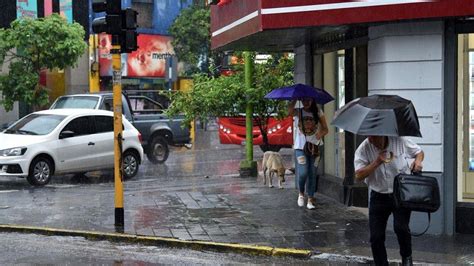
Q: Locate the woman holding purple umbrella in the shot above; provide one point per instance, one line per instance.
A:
(312, 127)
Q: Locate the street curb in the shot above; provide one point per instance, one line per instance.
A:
(162, 241)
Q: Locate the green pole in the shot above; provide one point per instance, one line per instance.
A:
(249, 108)
(248, 167)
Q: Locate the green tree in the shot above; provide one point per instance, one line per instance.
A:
(227, 95)
(191, 38)
(30, 46)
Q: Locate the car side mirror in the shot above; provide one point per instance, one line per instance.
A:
(66, 134)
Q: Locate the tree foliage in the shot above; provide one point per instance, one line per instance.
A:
(228, 95)
(192, 39)
(30, 46)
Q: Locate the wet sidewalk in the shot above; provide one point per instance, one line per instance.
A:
(198, 195)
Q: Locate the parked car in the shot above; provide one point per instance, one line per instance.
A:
(62, 141)
(280, 132)
(157, 129)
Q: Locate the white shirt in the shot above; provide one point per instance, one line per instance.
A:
(300, 138)
(381, 180)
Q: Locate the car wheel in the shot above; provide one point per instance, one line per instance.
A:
(131, 163)
(158, 151)
(40, 172)
(275, 148)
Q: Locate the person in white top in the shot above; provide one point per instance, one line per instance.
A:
(312, 127)
(377, 161)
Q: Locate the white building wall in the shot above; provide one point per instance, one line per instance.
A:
(77, 78)
(406, 59)
(7, 117)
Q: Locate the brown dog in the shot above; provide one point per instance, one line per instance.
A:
(273, 162)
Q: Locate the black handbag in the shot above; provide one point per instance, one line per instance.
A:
(417, 192)
(311, 149)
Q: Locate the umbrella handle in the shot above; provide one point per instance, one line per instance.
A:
(389, 159)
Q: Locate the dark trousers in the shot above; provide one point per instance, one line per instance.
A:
(381, 206)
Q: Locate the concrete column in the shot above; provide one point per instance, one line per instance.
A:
(303, 64)
(406, 59)
(77, 78)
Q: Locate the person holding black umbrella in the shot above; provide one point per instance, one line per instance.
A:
(377, 161)
(380, 158)
(312, 127)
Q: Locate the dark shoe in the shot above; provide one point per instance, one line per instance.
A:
(408, 261)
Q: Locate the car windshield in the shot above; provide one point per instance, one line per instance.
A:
(36, 124)
(81, 102)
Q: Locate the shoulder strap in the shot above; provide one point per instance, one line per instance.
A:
(426, 229)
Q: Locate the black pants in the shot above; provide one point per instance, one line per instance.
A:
(381, 206)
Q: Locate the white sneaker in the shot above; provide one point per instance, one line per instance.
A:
(300, 201)
(310, 205)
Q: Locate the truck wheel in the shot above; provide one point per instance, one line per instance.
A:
(158, 151)
(131, 163)
(265, 148)
(40, 172)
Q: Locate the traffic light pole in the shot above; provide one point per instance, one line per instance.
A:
(122, 25)
(117, 102)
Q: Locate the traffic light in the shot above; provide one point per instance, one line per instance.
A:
(121, 24)
(112, 22)
(128, 35)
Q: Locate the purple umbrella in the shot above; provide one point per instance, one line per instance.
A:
(298, 92)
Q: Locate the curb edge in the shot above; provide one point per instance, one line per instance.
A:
(163, 241)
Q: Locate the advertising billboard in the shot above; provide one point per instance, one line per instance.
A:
(150, 58)
(148, 61)
(104, 46)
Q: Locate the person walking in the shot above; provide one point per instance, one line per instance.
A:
(377, 161)
(312, 127)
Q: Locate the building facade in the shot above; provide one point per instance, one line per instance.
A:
(420, 50)
(58, 81)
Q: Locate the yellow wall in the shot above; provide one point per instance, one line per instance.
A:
(55, 81)
(184, 84)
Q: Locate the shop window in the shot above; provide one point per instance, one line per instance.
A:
(465, 83)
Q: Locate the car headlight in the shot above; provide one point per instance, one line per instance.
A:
(13, 151)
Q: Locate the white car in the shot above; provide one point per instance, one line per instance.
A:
(66, 141)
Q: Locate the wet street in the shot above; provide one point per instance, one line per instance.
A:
(198, 195)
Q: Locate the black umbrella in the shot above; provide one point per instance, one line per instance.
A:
(379, 115)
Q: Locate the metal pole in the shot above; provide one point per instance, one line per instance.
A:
(117, 102)
(249, 108)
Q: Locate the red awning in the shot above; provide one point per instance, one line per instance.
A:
(234, 20)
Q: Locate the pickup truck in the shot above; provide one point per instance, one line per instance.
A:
(158, 130)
